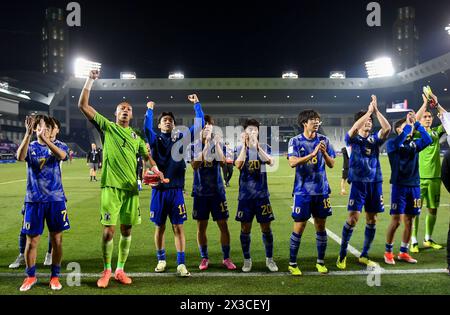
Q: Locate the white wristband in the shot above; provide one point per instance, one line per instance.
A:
(89, 83)
(155, 169)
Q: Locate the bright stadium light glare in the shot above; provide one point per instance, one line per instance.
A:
(176, 75)
(337, 75)
(379, 68)
(448, 29)
(290, 75)
(128, 75)
(83, 67)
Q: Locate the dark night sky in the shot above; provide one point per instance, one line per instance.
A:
(222, 38)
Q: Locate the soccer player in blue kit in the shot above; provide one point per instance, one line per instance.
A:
(45, 199)
(208, 191)
(365, 178)
(251, 159)
(20, 260)
(167, 198)
(403, 152)
(309, 153)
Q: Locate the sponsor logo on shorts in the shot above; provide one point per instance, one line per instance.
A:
(240, 214)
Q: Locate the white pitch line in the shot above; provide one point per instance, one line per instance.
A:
(242, 274)
(13, 181)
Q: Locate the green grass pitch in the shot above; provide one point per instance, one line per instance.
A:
(82, 244)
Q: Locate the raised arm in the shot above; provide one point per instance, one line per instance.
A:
(360, 122)
(23, 148)
(423, 108)
(83, 103)
(295, 161)
(329, 160)
(398, 141)
(57, 152)
(240, 160)
(148, 124)
(264, 156)
(441, 109)
(424, 140)
(199, 115)
(385, 126)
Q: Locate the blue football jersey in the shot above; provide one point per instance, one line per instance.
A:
(253, 175)
(208, 177)
(44, 182)
(365, 158)
(310, 178)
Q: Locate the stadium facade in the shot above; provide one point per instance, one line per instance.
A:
(274, 101)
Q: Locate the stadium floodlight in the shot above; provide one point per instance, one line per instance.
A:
(83, 67)
(128, 75)
(25, 92)
(290, 75)
(337, 75)
(379, 68)
(448, 29)
(176, 75)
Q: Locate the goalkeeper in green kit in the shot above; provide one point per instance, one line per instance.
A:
(430, 171)
(119, 187)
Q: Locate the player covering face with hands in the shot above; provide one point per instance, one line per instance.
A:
(45, 198)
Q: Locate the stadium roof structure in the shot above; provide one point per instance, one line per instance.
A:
(51, 90)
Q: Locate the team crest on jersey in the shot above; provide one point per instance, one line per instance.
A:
(134, 135)
(371, 139)
(107, 216)
(351, 202)
(394, 206)
(413, 145)
(434, 133)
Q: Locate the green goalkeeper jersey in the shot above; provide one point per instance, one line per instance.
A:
(429, 158)
(120, 149)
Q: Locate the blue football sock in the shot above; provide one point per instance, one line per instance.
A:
(321, 242)
(203, 251)
(226, 251)
(180, 258)
(404, 248)
(55, 270)
(22, 242)
(245, 244)
(294, 247)
(389, 248)
(31, 272)
(369, 235)
(161, 254)
(347, 232)
(268, 243)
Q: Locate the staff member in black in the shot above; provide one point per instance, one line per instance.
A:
(93, 161)
(445, 176)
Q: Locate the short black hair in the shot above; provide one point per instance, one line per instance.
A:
(164, 114)
(251, 122)
(306, 115)
(399, 123)
(360, 114)
(209, 120)
(47, 120)
(56, 123)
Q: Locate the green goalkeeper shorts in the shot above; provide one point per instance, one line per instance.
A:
(118, 203)
(430, 191)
